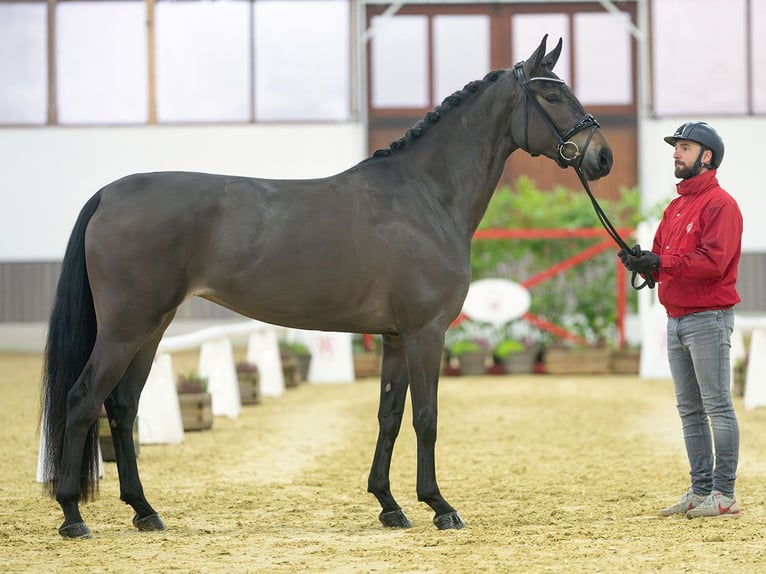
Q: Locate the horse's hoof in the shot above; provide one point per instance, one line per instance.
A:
(395, 519)
(76, 530)
(449, 521)
(150, 523)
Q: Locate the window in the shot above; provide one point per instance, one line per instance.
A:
(132, 62)
(529, 28)
(203, 62)
(604, 68)
(758, 56)
(699, 60)
(399, 54)
(23, 64)
(302, 60)
(461, 52)
(101, 54)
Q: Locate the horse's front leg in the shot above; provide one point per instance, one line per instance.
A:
(424, 351)
(393, 392)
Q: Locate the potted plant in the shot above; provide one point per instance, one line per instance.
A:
(301, 354)
(289, 361)
(516, 357)
(249, 379)
(195, 401)
(471, 356)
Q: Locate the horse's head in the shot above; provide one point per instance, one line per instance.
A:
(549, 120)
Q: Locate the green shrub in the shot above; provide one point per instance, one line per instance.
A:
(582, 298)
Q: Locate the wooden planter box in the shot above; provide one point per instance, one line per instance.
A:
(290, 372)
(196, 411)
(105, 438)
(580, 361)
(304, 362)
(472, 363)
(249, 388)
(520, 362)
(367, 365)
(625, 361)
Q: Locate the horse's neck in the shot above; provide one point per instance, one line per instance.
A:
(467, 153)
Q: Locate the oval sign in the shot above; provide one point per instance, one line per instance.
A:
(496, 301)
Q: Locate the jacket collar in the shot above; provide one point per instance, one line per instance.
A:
(698, 184)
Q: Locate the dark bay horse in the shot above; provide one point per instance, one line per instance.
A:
(381, 248)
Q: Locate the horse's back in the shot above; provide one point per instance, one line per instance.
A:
(324, 253)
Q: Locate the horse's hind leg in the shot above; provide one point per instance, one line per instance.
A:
(105, 367)
(121, 407)
(393, 392)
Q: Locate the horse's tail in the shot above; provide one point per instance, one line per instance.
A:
(71, 336)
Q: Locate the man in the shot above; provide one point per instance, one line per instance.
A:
(694, 260)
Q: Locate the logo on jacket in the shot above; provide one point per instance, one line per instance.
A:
(689, 228)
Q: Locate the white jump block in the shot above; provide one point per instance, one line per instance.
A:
(217, 365)
(654, 343)
(159, 412)
(738, 351)
(755, 383)
(332, 359)
(263, 351)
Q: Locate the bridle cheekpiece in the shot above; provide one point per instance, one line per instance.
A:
(568, 150)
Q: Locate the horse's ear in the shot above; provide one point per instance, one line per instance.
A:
(550, 60)
(533, 63)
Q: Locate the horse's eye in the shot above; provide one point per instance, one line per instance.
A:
(552, 98)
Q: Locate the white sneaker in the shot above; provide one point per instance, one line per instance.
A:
(687, 502)
(716, 504)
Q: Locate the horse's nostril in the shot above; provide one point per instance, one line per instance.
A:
(605, 160)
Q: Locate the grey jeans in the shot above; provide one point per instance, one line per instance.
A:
(699, 348)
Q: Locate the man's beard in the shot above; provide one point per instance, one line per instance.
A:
(684, 172)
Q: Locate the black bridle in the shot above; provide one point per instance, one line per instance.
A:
(568, 151)
(570, 155)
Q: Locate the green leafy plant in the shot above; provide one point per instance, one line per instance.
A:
(508, 347)
(580, 298)
(294, 348)
(465, 346)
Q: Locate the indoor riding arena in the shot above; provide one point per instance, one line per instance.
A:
(549, 473)
(198, 196)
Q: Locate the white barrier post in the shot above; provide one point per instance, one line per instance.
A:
(654, 322)
(755, 384)
(738, 352)
(159, 412)
(217, 365)
(332, 359)
(263, 351)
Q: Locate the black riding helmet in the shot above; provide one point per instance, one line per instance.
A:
(704, 135)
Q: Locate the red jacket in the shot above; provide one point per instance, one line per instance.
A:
(699, 242)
